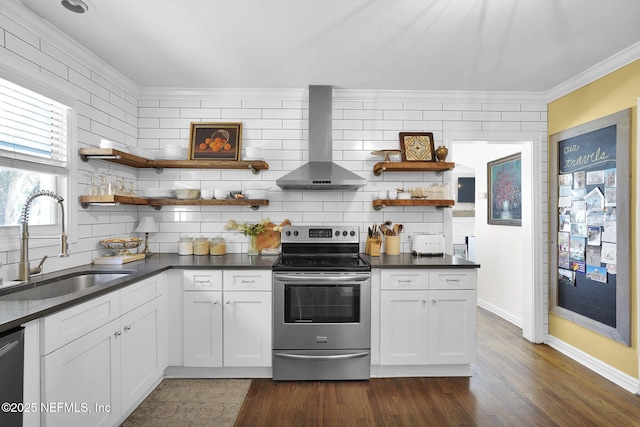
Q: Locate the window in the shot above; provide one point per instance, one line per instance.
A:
(33, 152)
(33, 156)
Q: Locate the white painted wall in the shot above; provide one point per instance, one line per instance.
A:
(498, 247)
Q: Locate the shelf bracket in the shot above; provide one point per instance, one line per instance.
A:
(85, 158)
(378, 207)
(254, 171)
(254, 207)
(379, 171)
(85, 205)
(158, 170)
(156, 207)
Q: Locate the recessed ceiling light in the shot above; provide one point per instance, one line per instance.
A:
(77, 6)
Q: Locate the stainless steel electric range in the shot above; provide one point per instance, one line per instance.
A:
(321, 305)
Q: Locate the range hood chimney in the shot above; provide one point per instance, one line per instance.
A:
(320, 173)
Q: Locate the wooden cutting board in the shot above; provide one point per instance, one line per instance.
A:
(270, 239)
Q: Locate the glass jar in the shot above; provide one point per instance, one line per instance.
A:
(201, 246)
(185, 246)
(218, 246)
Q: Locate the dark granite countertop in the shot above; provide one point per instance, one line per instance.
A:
(16, 313)
(407, 260)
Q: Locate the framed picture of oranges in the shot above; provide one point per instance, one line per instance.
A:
(215, 141)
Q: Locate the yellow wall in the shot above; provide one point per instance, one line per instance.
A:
(617, 91)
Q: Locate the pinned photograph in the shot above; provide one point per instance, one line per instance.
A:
(566, 277)
(609, 232)
(595, 177)
(579, 229)
(579, 179)
(597, 274)
(595, 199)
(564, 222)
(595, 218)
(608, 254)
(593, 237)
(577, 266)
(610, 196)
(565, 179)
(610, 177)
(593, 255)
(577, 248)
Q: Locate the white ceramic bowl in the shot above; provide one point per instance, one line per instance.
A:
(188, 193)
(221, 194)
(256, 193)
(158, 193)
(206, 194)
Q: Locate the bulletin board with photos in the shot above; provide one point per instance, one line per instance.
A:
(589, 173)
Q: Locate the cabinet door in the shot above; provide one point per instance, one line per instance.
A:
(142, 351)
(202, 329)
(452, 326)
(247, 329)
(403, 327)
(81, 381)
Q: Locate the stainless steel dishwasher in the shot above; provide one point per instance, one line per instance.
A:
(11, 376)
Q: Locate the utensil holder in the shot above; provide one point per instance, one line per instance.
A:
(392, 245)
(375, 245)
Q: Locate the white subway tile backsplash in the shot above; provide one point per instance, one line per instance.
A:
(362, 123)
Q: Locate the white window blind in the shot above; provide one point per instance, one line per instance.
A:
(33, 130)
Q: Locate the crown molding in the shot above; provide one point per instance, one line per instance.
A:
(221, 93)
(32, 22)
(609, 65)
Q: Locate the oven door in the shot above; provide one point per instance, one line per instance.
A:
(321, 311)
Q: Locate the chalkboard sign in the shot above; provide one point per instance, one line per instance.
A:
(589, 273)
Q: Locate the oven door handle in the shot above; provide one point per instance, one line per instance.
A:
(321, 279)
(330, 357)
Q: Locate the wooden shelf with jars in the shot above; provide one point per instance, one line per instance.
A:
(131, 160)
(438, 203)
(412, 166)
(115, 200)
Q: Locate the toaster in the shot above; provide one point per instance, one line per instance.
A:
(427, 245)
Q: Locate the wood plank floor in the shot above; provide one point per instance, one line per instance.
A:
(513, 383)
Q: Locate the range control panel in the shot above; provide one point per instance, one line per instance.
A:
(320, 234)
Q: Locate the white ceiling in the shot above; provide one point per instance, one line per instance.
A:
(462, 45)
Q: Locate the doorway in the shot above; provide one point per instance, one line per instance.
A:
(510, 280)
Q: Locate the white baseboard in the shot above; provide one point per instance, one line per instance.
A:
(501, 313)
(627, 382)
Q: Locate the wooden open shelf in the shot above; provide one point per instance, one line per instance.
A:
(380, 167)
(87, 201)
(381, 203)
(126, 159)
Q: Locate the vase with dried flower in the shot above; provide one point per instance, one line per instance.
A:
(251, 231)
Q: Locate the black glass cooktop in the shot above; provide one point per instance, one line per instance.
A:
(319, 262)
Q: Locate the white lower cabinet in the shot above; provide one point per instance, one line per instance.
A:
(427, 317)
(247, 328)
(403, 327)
(203, 329)
(229, 323)
(96, 378)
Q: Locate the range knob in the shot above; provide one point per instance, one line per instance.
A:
(337, 233)
(353, 233)
(295, 233)
(288, 233)
(344, 233)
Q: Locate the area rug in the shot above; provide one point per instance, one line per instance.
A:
(191, 403)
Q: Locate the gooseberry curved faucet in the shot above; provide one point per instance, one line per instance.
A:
(24, 269)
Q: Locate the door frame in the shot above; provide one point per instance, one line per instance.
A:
(534, 144)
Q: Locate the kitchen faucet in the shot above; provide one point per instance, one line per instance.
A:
(24, 269)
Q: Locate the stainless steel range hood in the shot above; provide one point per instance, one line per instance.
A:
(320, 173)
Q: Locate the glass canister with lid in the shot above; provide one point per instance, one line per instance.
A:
(218, 246)
(185, 246)
(201, 246)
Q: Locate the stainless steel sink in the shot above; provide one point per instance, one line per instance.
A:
(63, 285)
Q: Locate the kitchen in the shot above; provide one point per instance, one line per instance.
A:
(274, 120)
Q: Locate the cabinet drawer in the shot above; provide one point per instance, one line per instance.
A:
(404, 279)
(139, 293)
(202, 280)
(67, 325)
(452, 279)
(248, 280)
